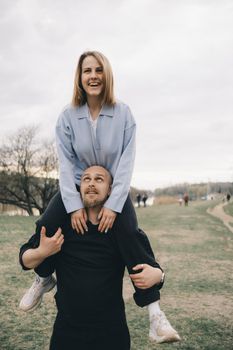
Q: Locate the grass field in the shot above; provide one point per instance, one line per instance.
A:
(229, 209)
(196, 252)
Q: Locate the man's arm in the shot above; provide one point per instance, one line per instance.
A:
(48, 246)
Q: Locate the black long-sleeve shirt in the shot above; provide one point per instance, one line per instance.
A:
(90, 271)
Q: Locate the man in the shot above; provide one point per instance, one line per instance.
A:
(186, 199)
(138, 197)
(90, 271)
(144, 199)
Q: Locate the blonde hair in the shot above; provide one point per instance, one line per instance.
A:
(79, 95)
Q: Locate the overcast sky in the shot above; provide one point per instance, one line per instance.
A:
(172, 62)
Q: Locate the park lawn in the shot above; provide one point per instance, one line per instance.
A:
(229, 209)
(195, 250)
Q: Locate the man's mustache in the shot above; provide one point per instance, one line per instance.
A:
(91, 190)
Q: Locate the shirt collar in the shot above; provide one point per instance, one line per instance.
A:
(107, 110)
(82, 111)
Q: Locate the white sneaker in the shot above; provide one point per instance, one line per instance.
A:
(33, 296)
(161, 330)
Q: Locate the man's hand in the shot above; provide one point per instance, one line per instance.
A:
(33, 257)
(107, 218)
(50, 245)
(148, 277)
(78, 220)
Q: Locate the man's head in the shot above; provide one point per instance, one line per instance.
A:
(95, 186)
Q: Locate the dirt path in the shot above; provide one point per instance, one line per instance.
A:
(219, 213)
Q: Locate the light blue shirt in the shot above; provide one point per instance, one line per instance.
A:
(113, 148)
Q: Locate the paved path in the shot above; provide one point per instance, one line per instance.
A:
(219, 213)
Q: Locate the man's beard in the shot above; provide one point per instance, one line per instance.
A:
(91, 203)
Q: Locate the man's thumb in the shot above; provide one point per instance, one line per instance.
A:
(43, 231)
(138, 267)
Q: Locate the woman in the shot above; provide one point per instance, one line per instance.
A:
(95, 129)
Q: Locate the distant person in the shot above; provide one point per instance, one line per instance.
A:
(138, 198)
(228, 197)
(186, 199)
(144, 199)
(90, 270)
(180, 201)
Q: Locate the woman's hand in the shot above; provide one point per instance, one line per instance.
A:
(78, 220)
(148, 277)
(107, 218)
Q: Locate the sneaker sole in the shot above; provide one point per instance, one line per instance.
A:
(168, 339)
(33, 307)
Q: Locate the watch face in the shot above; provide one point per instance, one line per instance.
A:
(162, 278)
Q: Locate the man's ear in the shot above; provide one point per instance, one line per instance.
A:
(109, 190)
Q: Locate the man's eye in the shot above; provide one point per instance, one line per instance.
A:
(86, 179)
(99, 179)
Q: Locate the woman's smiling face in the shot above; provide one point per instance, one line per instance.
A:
(92, 77)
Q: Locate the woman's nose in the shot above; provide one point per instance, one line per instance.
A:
(93, 73)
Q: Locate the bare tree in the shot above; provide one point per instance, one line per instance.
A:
(28, 177)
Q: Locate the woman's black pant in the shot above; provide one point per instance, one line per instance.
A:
(133, 243)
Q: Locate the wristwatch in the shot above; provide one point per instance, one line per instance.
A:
(163, 277)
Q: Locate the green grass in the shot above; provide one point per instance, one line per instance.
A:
(229, 208)
(197, 333)
(194, 248)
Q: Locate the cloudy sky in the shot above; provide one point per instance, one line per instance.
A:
(172, 62)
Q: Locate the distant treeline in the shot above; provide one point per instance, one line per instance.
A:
(196, 191)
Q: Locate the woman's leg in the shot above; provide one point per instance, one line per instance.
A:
(55, 216)
(135, 249)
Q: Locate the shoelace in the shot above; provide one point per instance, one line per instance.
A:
(35, 284)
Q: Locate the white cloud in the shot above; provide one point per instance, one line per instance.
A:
(172, 62)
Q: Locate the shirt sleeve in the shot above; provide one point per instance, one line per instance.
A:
(123, 175)
(32, 243)
(67, 157)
